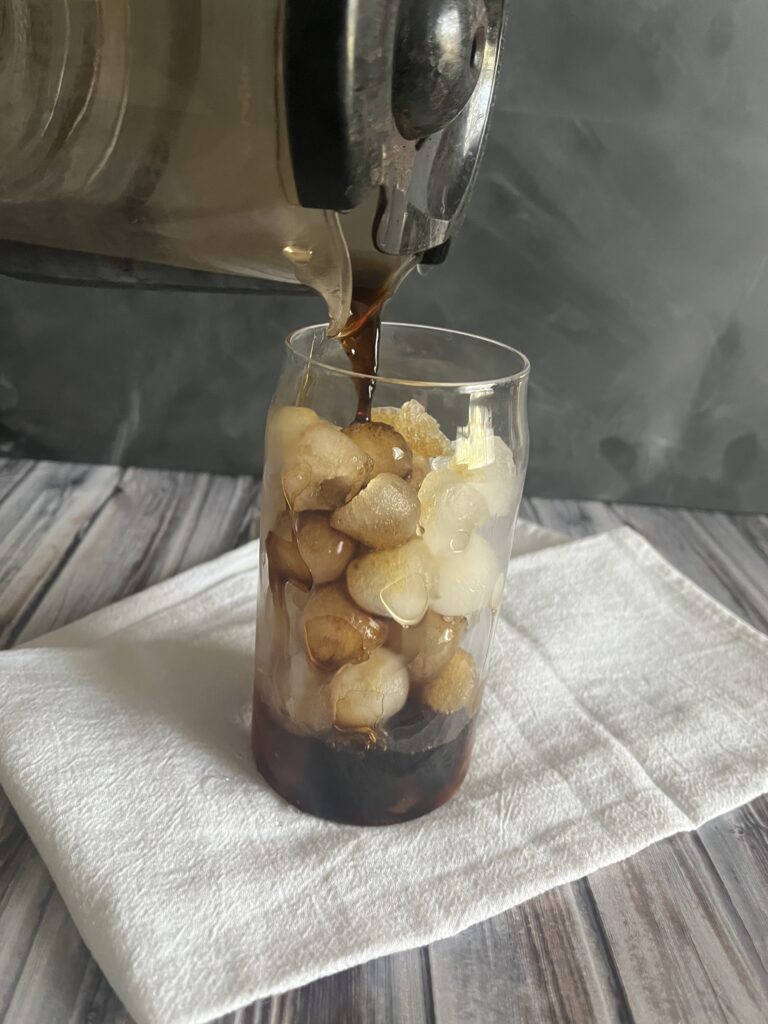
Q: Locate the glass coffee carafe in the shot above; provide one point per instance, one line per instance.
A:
(151, 130)
(275, 140)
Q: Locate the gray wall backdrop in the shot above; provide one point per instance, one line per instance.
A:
(618, 234)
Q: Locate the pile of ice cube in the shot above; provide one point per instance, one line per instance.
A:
(378, 568)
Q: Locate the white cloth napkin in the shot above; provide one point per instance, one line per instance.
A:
(622, 705)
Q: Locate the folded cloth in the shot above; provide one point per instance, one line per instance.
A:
(622, 705)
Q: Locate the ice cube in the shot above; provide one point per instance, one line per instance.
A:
(324, 469)
(308, 696)
(385, 445)
(466, 581)
(496, 479)
(333, 642)
(336, 631)
(429, 646)
(421, 466)
(285, 561)
(366, 694)
(456, 687)
(394, 582)
(384, 514)
(451, 508)
(420, 430)
(325, 551)
(285, 425)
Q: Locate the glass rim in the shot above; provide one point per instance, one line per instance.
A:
(519, 375)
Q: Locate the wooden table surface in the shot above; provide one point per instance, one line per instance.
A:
(678, 932)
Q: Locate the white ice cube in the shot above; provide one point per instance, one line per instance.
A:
(308, 701)
(451, 508)
(285, 425)
(366, 694)
(466, 581)
(495, 479)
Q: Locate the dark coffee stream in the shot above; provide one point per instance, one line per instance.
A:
(360, 340)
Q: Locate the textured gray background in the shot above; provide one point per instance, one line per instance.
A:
(618, 234)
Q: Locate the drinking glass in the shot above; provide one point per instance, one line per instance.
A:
(384, 546)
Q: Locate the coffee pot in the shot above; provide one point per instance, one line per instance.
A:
(246, 144)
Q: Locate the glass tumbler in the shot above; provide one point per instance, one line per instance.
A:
(383, 553)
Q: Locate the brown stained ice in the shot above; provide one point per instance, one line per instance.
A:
(325, 551)
(324, 469)
(387, 448)
(428, 646)
(455, 688)
(384, 514)
(421, 431)
(283, 556)
(332, 642)
(421, 466)
(336, 631)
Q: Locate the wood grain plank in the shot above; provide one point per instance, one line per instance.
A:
(755, 530)
(55, 964)
(12, 472)
(392, 988)
(25, 891)
(682, 951)
(738, 560)
(575, 518)
(41, 522)
(544, 961)
(155, 525)
(737, 844)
